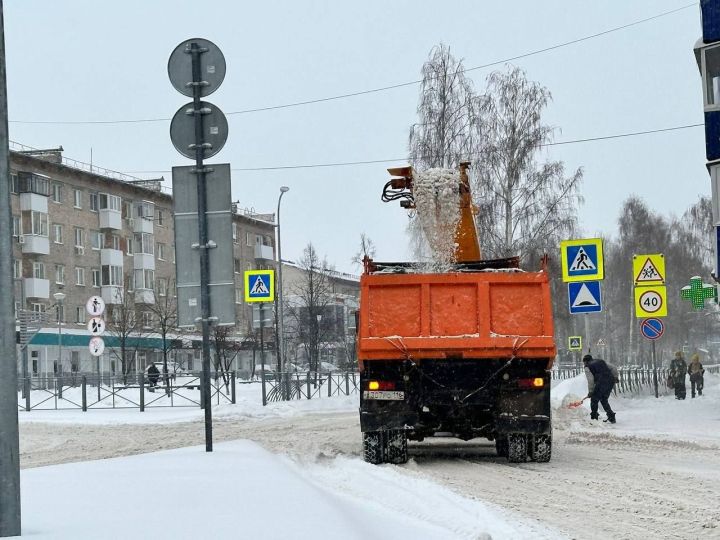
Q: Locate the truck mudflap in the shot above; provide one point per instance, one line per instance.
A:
(393, 416)
(537, 424)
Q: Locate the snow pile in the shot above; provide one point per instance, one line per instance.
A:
(437, 204)
(243, 491)
(643, 416)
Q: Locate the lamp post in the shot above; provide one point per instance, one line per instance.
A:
(59, 297)
(281, 320)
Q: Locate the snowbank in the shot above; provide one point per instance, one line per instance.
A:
(694, 421)
(243, 491)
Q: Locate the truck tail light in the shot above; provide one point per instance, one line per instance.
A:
(536, 382)
(381, 385)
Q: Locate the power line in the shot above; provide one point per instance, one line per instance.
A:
(373, 90)
(395, 160)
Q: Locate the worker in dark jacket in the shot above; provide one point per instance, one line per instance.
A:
(153, 376)
(678, 371)
(601, 377)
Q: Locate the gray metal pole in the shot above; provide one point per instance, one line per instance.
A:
(281, 320)
(654, 361)
(196, 51)
(9, 435)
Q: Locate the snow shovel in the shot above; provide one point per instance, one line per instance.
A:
(576, 404)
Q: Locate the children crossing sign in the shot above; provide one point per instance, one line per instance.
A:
(259, 285)
(582, 260)
(649, 269)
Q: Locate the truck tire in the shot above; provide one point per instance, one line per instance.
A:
(396, 450)
(517, 448)
(373, 447)
(541, 448)
(501, 446)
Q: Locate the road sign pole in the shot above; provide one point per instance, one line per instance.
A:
(654, 361)
(9, 436)
(195, 52)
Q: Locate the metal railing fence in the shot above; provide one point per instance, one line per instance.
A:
(309, 385)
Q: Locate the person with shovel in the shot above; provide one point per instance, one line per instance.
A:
(601, 377)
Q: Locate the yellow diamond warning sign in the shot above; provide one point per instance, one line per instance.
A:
(649, 269)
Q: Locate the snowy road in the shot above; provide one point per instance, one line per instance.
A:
(601, 482)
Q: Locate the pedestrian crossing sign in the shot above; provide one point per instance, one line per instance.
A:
(575, 343)
(649, 269)
(582, 260)
(259, 285)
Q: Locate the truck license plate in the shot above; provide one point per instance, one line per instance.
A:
(385, 394)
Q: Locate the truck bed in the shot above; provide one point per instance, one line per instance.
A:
(471, 315)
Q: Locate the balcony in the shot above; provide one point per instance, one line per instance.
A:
(37, 288)
(110, 219)
(111, 257)
(33, 183)
(143, 216)
(144, 296)
(33, 202)
(143, 261)
(264, 252)
(33, 244)
(112, 294)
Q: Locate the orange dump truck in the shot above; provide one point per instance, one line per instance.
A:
(464, 354)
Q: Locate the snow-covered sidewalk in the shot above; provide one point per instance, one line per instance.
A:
(243, 491)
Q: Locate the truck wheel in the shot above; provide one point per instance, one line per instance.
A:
(542, 448)
(396, 450)
(373, 447)
(501, 446)
(517, 448)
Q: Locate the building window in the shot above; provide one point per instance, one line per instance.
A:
(144, 243)
(248, 239)
(110, 202)
(14, 182)
(57, 233)
(238, 295)
(147, 319)
(17, 269)
(112, 275)
(60, 274)
(79, 237)
(238, 266)
(79, 276)
(17, 226)
(57, 192)
(160, 251)
(77, 198)
(94, 203)
(38, 308)
(160, 217)
(115, 241)
(129, 245)
(39, 223)
(127, 209)
(35, 357)
(95, 277)
(145, 279)
(96, 239)
(144, 210)
(162, 286)
(80, 314)
(235, 233)
(38, 270)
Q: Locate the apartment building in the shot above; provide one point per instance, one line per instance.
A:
(83, 231)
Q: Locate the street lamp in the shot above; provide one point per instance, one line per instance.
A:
(280, 323)
(59, 297)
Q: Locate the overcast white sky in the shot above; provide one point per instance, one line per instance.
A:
(88, 60)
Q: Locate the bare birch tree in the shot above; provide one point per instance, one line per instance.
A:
(308, 306)
(367, 249)
(125, 325)
(447, 113)
(164, 312)
(525, 205)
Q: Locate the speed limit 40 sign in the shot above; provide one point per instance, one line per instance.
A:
(650, 301)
